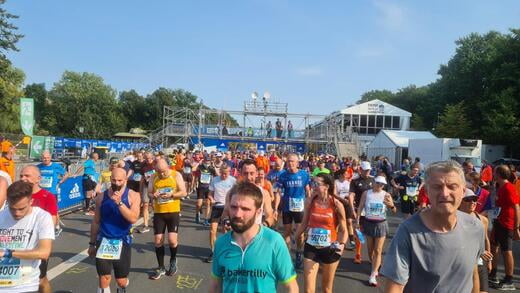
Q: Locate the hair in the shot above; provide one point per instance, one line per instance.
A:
(247, 162)
(19, 190)
(474, 177)
(327, 179)
(248, 189)
(503, 171)
(224, 167)
(444, 167)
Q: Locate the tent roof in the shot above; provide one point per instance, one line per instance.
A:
(376, 107)
(400, 137)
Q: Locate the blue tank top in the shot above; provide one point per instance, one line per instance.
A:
(113, 225)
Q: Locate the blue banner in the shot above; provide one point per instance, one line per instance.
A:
(71, 193)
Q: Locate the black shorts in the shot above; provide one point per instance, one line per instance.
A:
(166, 220)
(43, 268)
(502, 236)
(202, 192)
(88, 184)
(121, 266)
(408, 206)
(483, 277)
(324, 255)
(134, 185)
(289, 217)
(216, 213)
(187, 177)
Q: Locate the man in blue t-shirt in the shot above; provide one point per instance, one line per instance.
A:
(275, 173)
(293, 186)
(237, 266)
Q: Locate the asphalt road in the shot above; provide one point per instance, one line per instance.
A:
(193, 273)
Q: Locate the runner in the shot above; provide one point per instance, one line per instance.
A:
(148, 169)
(207, 172)
(267, 186)
(342, 193)
(90, 179)
(241, 263)
(52, 175)
(320, 169)
(110, 240)
(374, 203)
(136, 178)
(294, 187)
(437, 249)
(21, 255)
(187, 173)
(218, 189)
(324, 222)
(468, 205)
(166, 187)
(358, 186)
(408, 186)
(46, 201)
(505, 228)
(7, 159)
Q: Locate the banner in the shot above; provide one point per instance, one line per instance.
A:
(71, 193)
(27, 115)
(37, 147)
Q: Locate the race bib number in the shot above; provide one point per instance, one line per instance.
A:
(110, 249)
(187, 170)
(296, 204)
(205, 178)
(46, 182)
(137, 177)
(165, 190)
(10, 271)
(411, 190)
(375, 211)
(149, 174)
(319, 237)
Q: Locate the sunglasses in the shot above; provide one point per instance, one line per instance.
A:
(470, 199)
(316, 184)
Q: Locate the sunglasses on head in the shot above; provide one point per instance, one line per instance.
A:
(470, 199)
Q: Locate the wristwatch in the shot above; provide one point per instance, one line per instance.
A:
(120, 203)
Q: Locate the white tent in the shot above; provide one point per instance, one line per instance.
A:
(394, 144)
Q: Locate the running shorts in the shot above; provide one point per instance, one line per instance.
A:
(202, 192)
(121, 266)
(324, 255)
(502, 236)
(166, 220)
(88, 184)
(216, 213)
(408, 206)
(290, 217)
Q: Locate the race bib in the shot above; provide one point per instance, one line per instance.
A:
(375, 211)
(164, 190)
(10, 272)
(296, 204)
(187, 170)
(205, 178)
(411, 190)
(319, 237)
(137, 177)
(46, 182)
(110, 249)
(149, 174)
(343, 193)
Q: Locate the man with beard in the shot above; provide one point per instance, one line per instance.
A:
(237, 266)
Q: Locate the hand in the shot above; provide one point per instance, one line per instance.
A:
(400, 187)
(166, 195)
(516, 234)
(116, 196)
(487, 256)
(387, 201)
(91, 251)
(341, 248)
(156, 194)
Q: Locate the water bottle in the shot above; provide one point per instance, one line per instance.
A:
(360, 236)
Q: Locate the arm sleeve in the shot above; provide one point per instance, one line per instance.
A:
(396, 264)
(46, 227)
(283, 267)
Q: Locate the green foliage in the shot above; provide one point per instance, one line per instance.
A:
(453, 122)
(8, 35)
(11, 80)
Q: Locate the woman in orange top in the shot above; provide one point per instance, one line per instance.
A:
(260, 179)
(324, 218)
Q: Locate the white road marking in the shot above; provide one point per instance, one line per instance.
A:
(69, 263)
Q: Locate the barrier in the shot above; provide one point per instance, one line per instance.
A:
(71, 195)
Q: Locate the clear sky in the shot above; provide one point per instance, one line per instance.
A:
(318, 56)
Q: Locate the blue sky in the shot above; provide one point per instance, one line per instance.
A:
(318, 56)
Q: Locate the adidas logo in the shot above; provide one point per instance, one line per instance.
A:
(74, 193)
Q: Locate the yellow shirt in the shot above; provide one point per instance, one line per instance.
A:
(161, 206)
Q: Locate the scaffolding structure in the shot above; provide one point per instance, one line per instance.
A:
(190, 126)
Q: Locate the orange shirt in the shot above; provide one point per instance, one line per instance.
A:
(324, 217)
(7, 166)
(262, 162)
(179, 163)
(486, 174)
(6, 146)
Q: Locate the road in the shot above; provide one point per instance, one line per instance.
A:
(71, 271)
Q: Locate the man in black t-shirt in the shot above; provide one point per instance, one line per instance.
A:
(408, 186)
(207, 172)
(136, 178)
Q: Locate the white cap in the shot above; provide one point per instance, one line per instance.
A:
(469, 193)
(365, 166)
(380, 179)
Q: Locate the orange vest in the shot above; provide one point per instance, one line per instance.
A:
(324, 218)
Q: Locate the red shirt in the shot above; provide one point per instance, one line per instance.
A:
(423, 197)
(482, 200)
(506, 200)
(46, 201)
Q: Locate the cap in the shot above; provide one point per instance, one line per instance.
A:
(114, 160)
(469, 193)
(261, 153)
(366, 166)
(380, 179)
(219, 155)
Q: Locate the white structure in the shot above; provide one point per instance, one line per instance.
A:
(393, 144)
(363, 121)
(441, 149)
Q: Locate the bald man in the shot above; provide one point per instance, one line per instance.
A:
(47, 201)
(166, 187)
(117, 208)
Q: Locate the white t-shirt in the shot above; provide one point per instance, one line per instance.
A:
(220, 189)
(342, 188)
(6, 176)
(23, 234)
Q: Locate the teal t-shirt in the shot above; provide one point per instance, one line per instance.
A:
(263, 264)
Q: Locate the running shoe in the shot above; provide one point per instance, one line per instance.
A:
(197, 218)
(206, 223)
(505, 286)
(493, 280)
(357, 259)
(298, 262)
(158, 273)
(372, 280)
(173, 268)
(144, 229)
(351, 245)
(57, 232)
(209, 259)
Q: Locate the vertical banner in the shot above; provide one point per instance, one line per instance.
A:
(37, 147)
(27, 115)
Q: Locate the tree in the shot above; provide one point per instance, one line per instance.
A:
(453, 122)
(11, 81)
(84, 106)
(8, 35)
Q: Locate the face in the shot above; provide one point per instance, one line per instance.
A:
(468, 168)
(414, 172)
(261, 174)
(249, 173)
(468, 204)
(292, 162)
(95, 156)
(163, 171)
(445, 191)
(20, 208)
(365, 173)
(243, 213)
(139, 156)
(46, 159)
(149, 158)
(30, 175)
(224, 173)
(118, 180)
(319, 186)
(378, 187)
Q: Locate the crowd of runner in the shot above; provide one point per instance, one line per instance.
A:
(457, 222)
